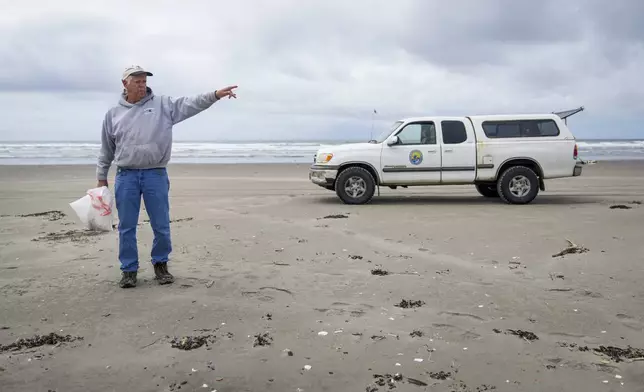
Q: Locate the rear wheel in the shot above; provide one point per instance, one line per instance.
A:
(518, 185)
(487, 190)
(355, 185)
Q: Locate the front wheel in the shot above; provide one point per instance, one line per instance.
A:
(355, 185)
(518, 185)
(487, 190)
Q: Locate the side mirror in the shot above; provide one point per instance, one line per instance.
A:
(392, 141)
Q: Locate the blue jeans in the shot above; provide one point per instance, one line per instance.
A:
(154, 186)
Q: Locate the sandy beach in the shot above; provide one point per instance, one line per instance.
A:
(284, 288)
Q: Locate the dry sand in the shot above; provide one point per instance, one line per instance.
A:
(254, 255)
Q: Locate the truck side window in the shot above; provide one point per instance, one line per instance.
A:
(418, 133)
(453, 132)
(520, 128)
(547, 128)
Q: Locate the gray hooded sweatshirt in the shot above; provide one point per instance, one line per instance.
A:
(139, 135)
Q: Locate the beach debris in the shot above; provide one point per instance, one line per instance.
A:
(418, 360)
(573, 346)
(51, 339)
(406, 304)
(416, 334)
(618, 354)
(71, 235)
(188, 343)
(515, 264)
(378, 337)
(307, 367)
(443, 272)
(263, 339)
(355, 257)
(620, 207)
(268, 317)
(188, 219)
(209, 284)
(335, 216)
(379, 272)
(413, 381)
(527, 335)
(390, 381)
(554, 276)
(287, 353)
(572, 248)
(440, 375)
(49, 215)
(323, 333)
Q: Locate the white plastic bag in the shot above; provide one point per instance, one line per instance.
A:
(95, 210)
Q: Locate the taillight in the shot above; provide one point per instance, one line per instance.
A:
(575, 152)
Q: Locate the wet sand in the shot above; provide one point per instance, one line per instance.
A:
(280, 287)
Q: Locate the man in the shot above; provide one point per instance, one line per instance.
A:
(137, 136)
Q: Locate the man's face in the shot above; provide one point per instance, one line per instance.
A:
(136, 86)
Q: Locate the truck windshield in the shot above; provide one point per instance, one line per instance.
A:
(385, 134)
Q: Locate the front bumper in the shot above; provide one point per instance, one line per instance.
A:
(577, 171)
(323, 175)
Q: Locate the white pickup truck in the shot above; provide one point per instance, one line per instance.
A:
(505, 156)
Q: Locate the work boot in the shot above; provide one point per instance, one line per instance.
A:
(128, 280)
(162, 274)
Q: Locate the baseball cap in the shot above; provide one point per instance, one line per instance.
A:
(134, 70)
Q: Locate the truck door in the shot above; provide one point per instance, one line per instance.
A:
(458, 152)
(415, 159)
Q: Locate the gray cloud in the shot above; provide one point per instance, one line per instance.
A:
(317, 70)
(59, 55)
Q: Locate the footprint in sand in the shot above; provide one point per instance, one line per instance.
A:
(457, 314)
(341, 308)
(258, 296)
(630, 322)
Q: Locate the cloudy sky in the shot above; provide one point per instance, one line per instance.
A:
(317, 69)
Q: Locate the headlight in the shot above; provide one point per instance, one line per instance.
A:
(324, 158)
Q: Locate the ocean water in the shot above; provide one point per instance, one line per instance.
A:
(77, 153)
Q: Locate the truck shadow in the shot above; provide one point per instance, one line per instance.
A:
(468, 200)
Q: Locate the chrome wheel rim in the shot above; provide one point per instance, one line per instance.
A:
(355, 187)
(519, 186)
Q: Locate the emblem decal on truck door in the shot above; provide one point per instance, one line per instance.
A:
(415, 157)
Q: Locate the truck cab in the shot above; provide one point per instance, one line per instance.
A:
(504, 156)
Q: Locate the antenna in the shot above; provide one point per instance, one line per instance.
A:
(373, 114)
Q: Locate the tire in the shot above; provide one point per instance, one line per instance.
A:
(360, 180)
(518, 185)
(487, 190)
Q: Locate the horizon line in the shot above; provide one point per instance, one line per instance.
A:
(260, 140)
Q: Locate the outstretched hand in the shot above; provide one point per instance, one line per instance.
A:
(226, 92)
